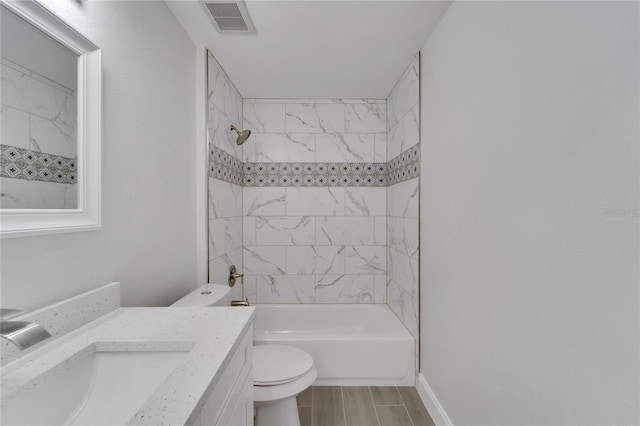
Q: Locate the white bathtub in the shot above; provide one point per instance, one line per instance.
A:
(352, 345)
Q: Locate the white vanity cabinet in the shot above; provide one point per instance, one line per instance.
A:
(231, 402)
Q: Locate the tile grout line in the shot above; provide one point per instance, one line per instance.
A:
(404, 404)
(311, 423)
(344, 411)
(406, 410)
(375, 410)
(388, 405)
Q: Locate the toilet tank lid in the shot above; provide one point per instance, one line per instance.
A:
(206, 295)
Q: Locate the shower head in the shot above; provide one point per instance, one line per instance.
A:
(242, 135)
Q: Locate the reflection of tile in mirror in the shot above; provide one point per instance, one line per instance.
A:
(52, 137)
(15, 127)
(25, 194)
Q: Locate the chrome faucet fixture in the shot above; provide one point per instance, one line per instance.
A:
(233, 275)
(23, 334)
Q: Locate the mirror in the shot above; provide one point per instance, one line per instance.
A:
(38, 107)
(50, 115)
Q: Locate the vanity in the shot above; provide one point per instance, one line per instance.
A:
(140, 366)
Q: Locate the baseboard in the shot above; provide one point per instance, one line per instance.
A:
(439, 416)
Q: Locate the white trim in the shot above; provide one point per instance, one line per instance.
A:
(435, 409)
(88, 215)
(351, 381)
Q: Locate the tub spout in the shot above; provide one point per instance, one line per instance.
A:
(21, 333)
(240, 302)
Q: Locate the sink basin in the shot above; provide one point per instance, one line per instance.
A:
(91, 388)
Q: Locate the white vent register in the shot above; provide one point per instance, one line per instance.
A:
(229, 16)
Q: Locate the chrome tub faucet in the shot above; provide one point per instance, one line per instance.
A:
(233, 276)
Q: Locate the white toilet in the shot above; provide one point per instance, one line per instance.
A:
(280, 372)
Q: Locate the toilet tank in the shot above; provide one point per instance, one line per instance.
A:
(207, 295)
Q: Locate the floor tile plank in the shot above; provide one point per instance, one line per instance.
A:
(393, 415)
(304, 398)
(358, 406)
(305, 416)
(327, 409)
(416, 409)
(385, 395)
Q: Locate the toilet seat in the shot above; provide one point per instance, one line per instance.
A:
(278, 364)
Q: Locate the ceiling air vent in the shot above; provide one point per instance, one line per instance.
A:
(229, 16)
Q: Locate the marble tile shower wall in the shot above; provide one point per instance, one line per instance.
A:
(37, 141)
(315, 243)
(224, 106)
(402, 202)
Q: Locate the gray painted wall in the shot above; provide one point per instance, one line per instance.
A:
(529, 213)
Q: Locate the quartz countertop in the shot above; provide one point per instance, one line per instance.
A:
(210, 335)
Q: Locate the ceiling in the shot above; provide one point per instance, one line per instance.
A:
(317, 49)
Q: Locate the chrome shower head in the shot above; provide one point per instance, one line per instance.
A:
(243, 135)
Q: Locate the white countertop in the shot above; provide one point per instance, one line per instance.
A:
(210, 335)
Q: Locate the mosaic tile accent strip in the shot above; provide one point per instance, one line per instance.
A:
(315, 174)
(224, 166)
(21, 163)
(404, 166)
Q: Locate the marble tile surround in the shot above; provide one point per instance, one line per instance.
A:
(314, 201)
(315, 143)
(317, 159)
(322, 131)
(65, 316)
(224, 107)
(402, 228)
(315, 245)
(306, 240)
(403, 252)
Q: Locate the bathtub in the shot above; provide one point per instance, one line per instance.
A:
(351, 345)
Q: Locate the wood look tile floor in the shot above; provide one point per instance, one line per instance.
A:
(362, 406)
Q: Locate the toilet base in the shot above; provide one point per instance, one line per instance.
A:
(282, 412)
(276, 405)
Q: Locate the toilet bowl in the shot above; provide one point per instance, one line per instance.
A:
(280, 372)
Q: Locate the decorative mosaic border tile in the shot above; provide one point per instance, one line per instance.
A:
(21, 163)
(404, 166)
(315, 174)
(345, 101)
(226, 167)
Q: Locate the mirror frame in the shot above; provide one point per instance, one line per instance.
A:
(88, 213)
